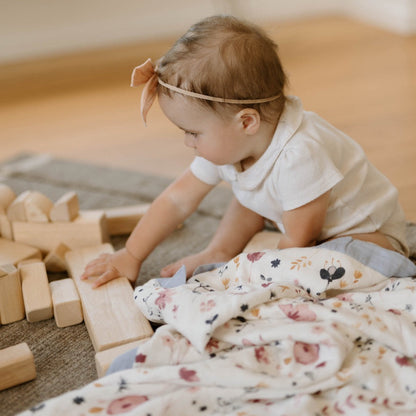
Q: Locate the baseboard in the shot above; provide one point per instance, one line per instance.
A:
(45, 28)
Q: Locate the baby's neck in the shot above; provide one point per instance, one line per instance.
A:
(263, 139)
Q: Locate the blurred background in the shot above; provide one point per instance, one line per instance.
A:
(65, 71)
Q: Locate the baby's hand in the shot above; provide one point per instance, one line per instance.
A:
(111, 266)
(193, 261)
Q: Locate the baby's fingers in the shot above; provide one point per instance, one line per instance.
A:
(94, 270)
(170, 270)
(95, 267)
(102, 258)
(106, 277)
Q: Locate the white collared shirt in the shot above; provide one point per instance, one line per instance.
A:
(307, 157)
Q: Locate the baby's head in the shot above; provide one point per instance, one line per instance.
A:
(222, 56)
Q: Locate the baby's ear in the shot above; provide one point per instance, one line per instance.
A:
(249, 120)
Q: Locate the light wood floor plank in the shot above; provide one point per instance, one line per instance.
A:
(360, 78)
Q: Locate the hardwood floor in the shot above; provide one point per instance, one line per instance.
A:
(360, 78)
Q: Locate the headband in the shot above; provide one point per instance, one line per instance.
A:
(145, 74)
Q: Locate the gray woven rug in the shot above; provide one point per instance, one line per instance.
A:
(64, 357)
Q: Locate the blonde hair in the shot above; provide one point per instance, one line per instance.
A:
(222, 56)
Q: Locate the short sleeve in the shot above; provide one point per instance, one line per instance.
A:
(205, 171)
(304, 173)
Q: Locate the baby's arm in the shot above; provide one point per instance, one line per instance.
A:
(236, 228)
(168, 210)
(303, 225)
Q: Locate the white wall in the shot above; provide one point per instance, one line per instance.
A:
(39, 28)
(395, 15)
(32, 28)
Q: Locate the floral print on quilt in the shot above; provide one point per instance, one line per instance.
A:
(292, 332)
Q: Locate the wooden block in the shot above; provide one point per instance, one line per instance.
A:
(6, 230)
(122, 220)
(88, 229)
(66, 303)
(110, 314)
(12, 252)
(263, 240)
(17, 365)
(36, 293)
(65, 208)
(37, 207)
(28, 261)
(30, 206)
(55, 260)
(11, 300)
(7, 196)
(16, 210)
(103, 359)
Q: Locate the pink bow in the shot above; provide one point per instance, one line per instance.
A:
(145, 74)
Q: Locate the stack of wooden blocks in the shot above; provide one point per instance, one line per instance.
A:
(39, 236)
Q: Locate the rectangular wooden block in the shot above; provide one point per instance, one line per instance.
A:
(88, 229)
(12, 252)
(36, 293)
(6, 230)
(16, 210)
(122, 220)
(7, 196)
(65, 208)
(17, 365)
(66, 303)
(110, 314)
(11, 300)
(103, 359)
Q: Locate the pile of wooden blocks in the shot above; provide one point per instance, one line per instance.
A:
(32, 218)
(40, 236)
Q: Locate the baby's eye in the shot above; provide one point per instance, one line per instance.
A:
(191, 133)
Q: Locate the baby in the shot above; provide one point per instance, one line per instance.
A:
(223, 84)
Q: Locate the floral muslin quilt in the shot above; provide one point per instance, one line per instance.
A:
(292, 332)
